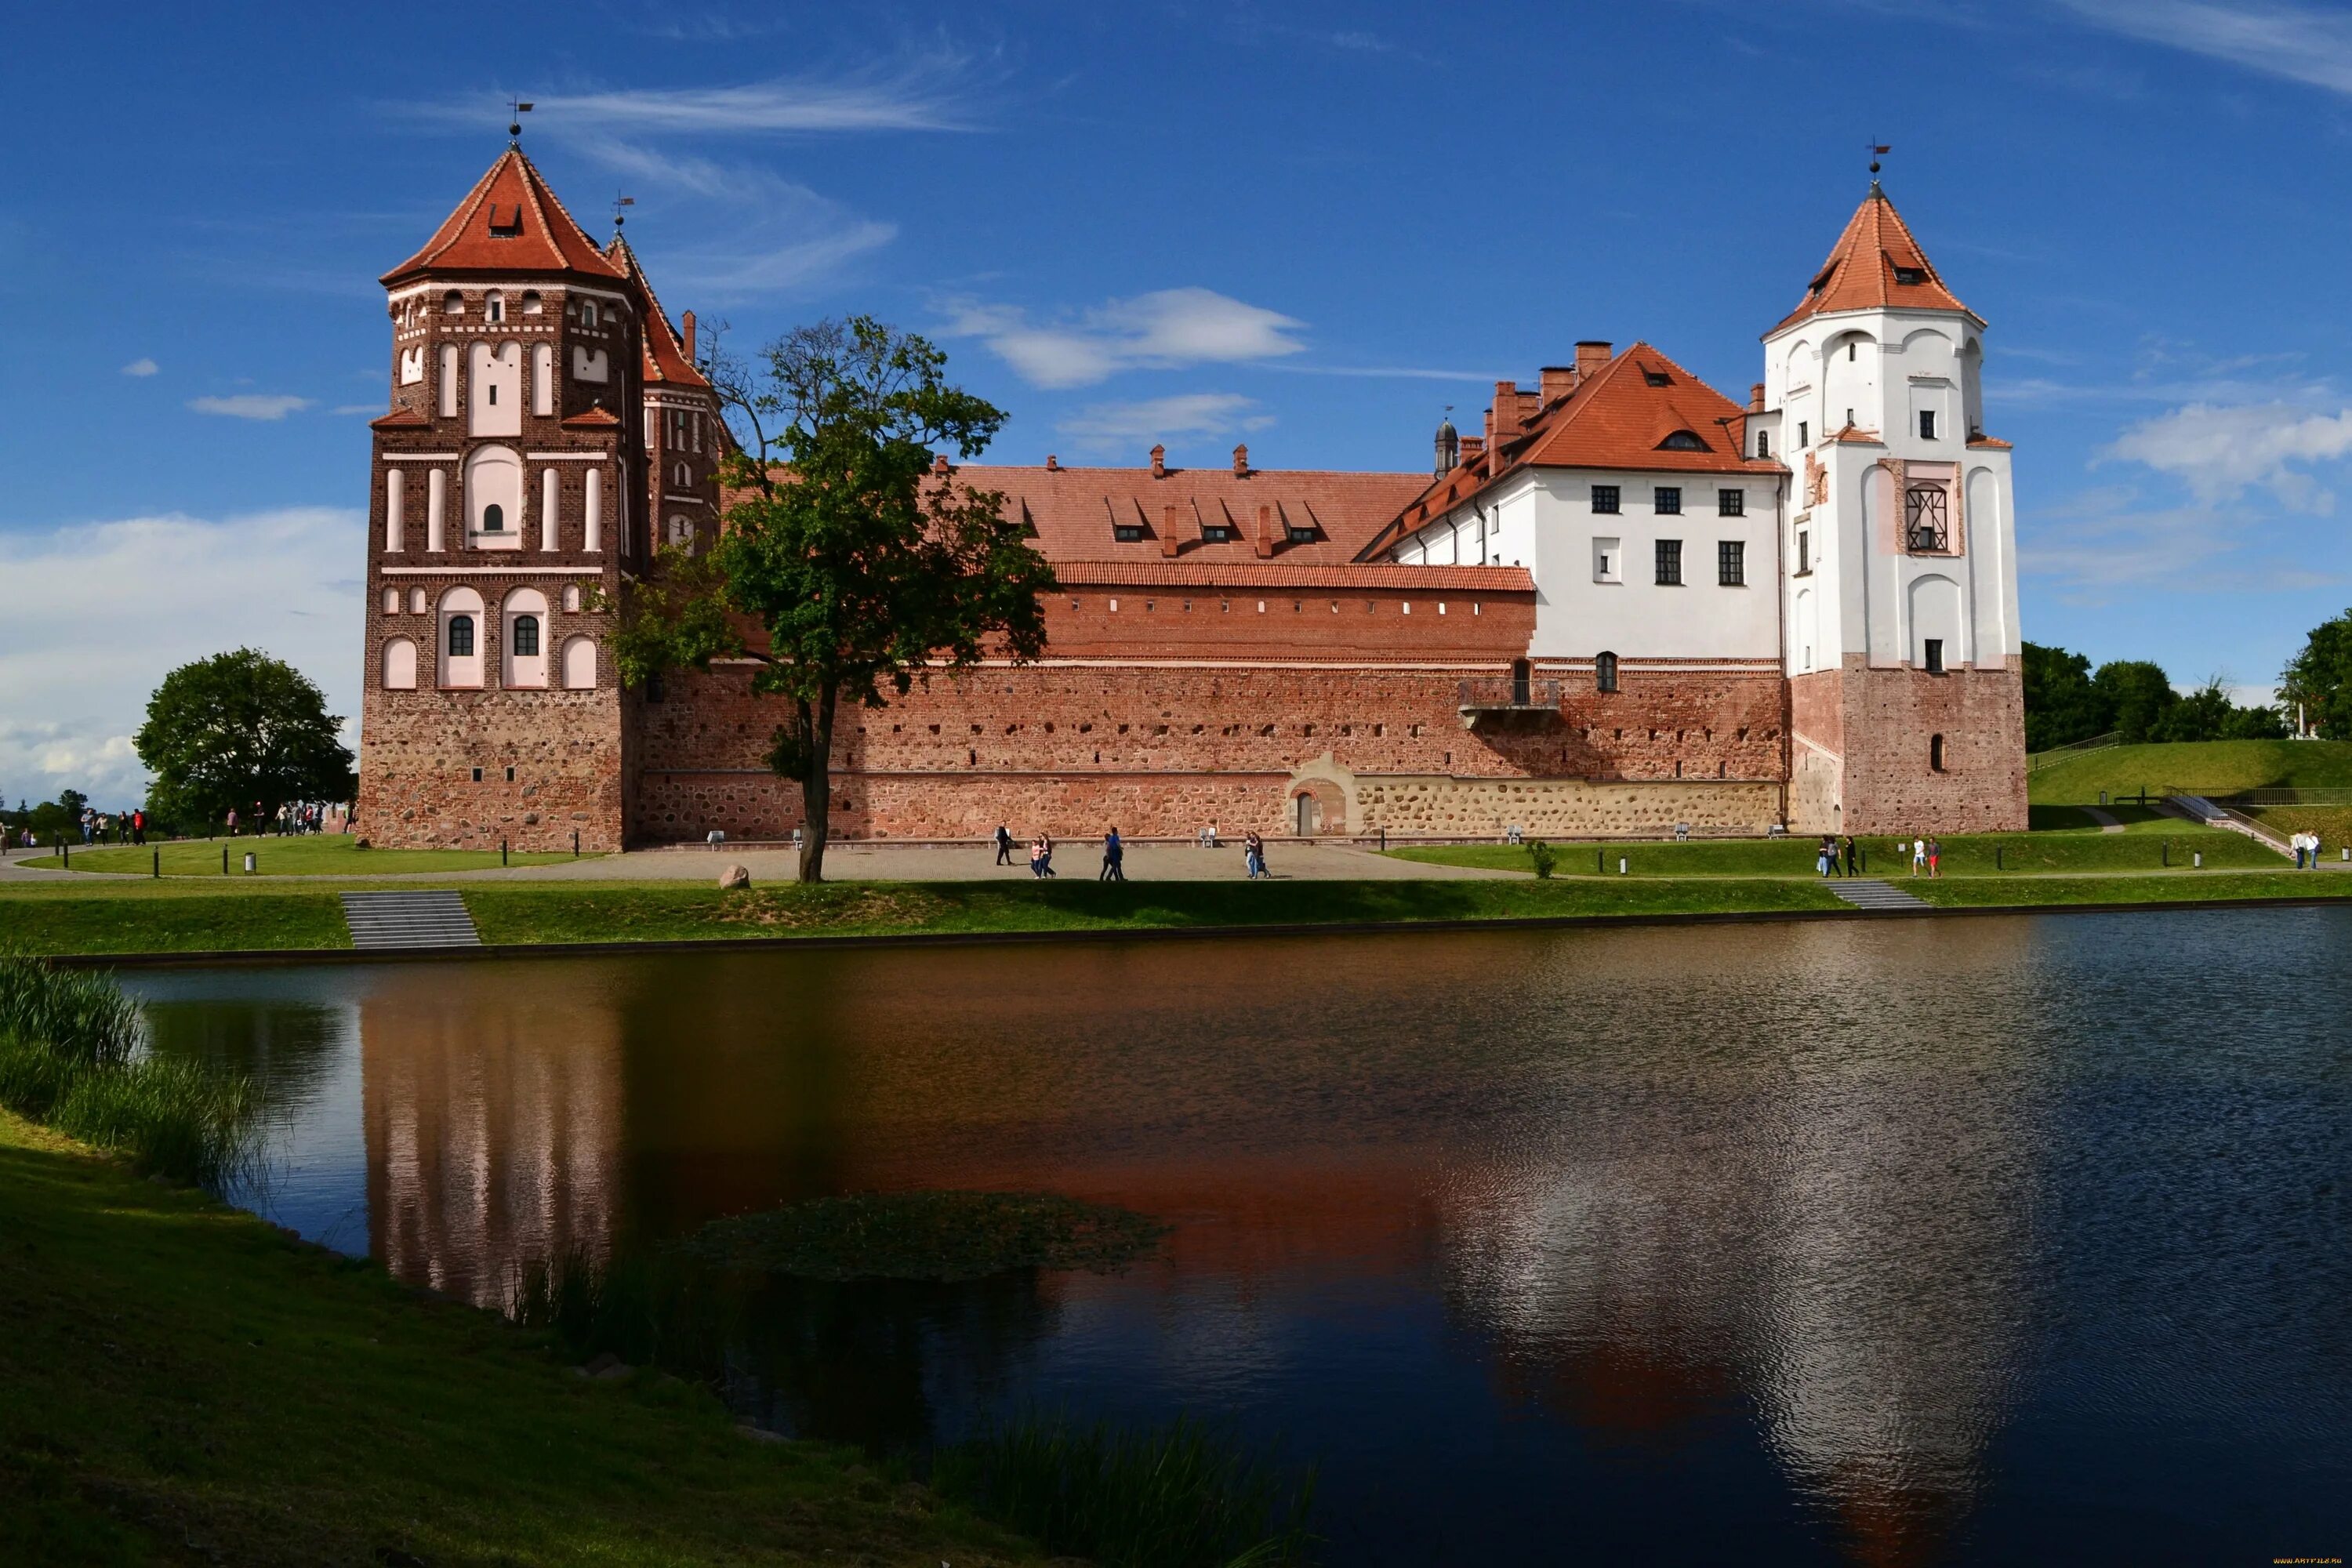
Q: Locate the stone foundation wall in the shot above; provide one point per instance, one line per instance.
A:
(1562, 808)
(417, 788)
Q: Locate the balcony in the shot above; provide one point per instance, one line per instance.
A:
(1506, 698)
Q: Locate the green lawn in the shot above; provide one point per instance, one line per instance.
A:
(304, 855)
(2206, 767)
(2332, 823)
(187, 1384)
(2081, 891)
(2144, 845)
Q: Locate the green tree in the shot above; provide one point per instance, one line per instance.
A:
(2137, 694)
(2061, 706)
(239, 730)
(2319, 679)
(847, 570)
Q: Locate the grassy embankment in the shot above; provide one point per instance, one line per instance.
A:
(187, 1384)
(2206, 767)
(300, 855)
(61, 917)
(2153, 847)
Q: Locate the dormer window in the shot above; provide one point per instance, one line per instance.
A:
(1128, 533)
(1216, 533)
(1763, 443)
(506, 222)
(1656, 378)
(1682, 441)
(1910, 276)
(1301, 533)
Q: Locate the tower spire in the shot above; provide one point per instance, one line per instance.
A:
(620, 201)
(1877, 149)
(515, 109)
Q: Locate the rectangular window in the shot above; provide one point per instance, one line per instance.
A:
(1927, 423)
(1804, 552)
(1731, 503)
(1926, 523)
(1128, 533)
(1731, 563)
(1302, 534)
(1804, 434)
(1216, 533)
(1604, 498)
(1935, 656)
(1608, 562)
(1666, 500)
(1670, 563)
(1763, 443)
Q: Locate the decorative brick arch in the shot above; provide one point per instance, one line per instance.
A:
(1317, 799)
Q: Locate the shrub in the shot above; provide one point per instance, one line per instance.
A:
(1544, 856)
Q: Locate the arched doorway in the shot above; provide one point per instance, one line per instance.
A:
(1316, 808)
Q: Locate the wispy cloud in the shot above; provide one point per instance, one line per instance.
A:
(350, 408)
(2220, 452)
(930, 91)
(2309, 44)
(141, 367)
(1389, 372)
(250, 405)
(1189, 414)
(98, 612)
(1164, 330)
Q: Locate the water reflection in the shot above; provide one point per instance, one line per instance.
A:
(1809, 1241)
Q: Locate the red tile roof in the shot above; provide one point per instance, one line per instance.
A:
(593, 416)
(399, 419)
(665, 360)
(1620, 417)
(1327, 576)
(1867, 267)
(509, 223)
(1076, 511)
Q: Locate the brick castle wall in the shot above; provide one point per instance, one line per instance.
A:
(1873, 771)
(416, 784)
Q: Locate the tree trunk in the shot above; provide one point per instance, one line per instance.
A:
(816, 789)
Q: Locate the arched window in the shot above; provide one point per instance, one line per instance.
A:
(532, 305)
(685, 476)
(1935, 753)
(461, 636)
(392, 601)
(1604, 672)
(526, 619)
(453, 303)
(399, 665)
(494, 306)
(1682, 441)
(494, 518)
(416, 601)
(1763, 443)
(572, 596)
(587, 312)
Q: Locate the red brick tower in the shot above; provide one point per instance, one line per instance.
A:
(506, 493)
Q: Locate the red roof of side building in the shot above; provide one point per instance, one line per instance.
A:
(1875, 265)
(665, 358)
(1641, 411)
(400, 419)
(1274, 574)
(509, 223)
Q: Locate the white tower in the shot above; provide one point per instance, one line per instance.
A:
(1899, 597)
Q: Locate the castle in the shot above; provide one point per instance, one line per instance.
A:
(1627, 602)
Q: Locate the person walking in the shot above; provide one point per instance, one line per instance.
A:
(139, 824)
(1114, 852)
(1045, 860)
(1853, 860)
(1918, 856)
(1252, 855)
(1822, 858)
(1003, 844)
(1935, 859)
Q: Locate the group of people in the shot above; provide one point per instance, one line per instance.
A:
(2306, 851)
(110, 826)
(1835, 858)
(291, 818)
(1114, 855)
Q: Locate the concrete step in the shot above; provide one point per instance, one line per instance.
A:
(1869, 893)
(379, 920)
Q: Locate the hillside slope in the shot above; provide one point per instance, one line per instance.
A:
(2206, 767)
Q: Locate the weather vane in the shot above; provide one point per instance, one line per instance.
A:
(620, 201)
(515, 109)
(1877, 149)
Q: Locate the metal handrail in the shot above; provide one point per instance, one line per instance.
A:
(1507, 693)
(2036, 761)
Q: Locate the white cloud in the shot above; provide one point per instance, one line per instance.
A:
(97, 612)
(250, 405)
(776, 235)
(1104, 425)
(1164, 330)
(141, 367)
(2308, 43)
(2219, 451)
(927, 93)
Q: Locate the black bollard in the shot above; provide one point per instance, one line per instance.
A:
(159, 865)
(224, 860)
(502, 851)
(575, 844)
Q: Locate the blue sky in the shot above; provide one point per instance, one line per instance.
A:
(1308, 228)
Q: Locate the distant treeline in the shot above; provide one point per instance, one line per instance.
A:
(2067, 700)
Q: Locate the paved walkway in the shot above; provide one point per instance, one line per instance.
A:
(2107, 820)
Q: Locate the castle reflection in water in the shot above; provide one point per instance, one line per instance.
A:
(1644, 1217)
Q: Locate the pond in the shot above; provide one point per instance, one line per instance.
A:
(1984, 1240)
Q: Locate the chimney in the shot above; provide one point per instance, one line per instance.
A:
(1265, 531)
(1473, 448)
(1506, 412)
(1756, 398)
(940, 463)
(687, 321)
(1557, 382)
(1158, 462)
(1591, 358)
(1053, 464)
(1167, 519)
(1241, 461)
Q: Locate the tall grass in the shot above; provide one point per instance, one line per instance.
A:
(1180, 1495)
(71, 1055)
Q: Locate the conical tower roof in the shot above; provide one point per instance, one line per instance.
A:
(1876, 265)
(666, 358)
(509, 223)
